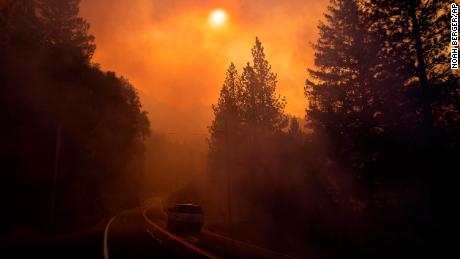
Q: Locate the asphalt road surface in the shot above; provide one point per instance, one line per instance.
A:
(141, 233)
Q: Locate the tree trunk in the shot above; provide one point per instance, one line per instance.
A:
(418, 46)
(421, 69)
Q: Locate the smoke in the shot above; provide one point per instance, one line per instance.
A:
(178, 63)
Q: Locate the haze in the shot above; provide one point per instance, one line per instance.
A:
(177, 61)
(205, 128)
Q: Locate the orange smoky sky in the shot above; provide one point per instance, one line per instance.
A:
(177, 60)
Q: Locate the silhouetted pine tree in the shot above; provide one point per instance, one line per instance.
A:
(248, 117)
(416, 37)
(421, 28)
(344, 100)
(227, 115)
(248, 106)
(64, 28)
(263, 108)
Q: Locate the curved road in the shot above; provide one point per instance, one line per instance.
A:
(141, 233)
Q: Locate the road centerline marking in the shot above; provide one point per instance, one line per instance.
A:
(154, 237)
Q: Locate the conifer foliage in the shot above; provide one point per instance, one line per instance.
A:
(51, 92)
(248, 108)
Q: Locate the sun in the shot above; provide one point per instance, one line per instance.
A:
(217, 18)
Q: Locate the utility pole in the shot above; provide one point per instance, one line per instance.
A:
(229, 184)
(55, 174)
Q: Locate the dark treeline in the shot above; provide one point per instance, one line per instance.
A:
(53, 98)
(367, 177)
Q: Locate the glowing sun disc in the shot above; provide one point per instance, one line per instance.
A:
(217, 18)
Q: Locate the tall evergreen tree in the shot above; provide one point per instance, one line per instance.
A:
(416, 37)
(65, 29)
(248, 105)
(422, 28)
(345, 57)
(227, 114)
(344, 100)
(263, 108)
(248, 119)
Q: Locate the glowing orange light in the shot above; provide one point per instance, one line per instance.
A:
(217, 18)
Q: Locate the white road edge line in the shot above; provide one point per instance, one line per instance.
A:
(156, 238)
(106, 234)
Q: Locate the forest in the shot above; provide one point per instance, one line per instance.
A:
(364, 174)
(366, 177)
(50, 90)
